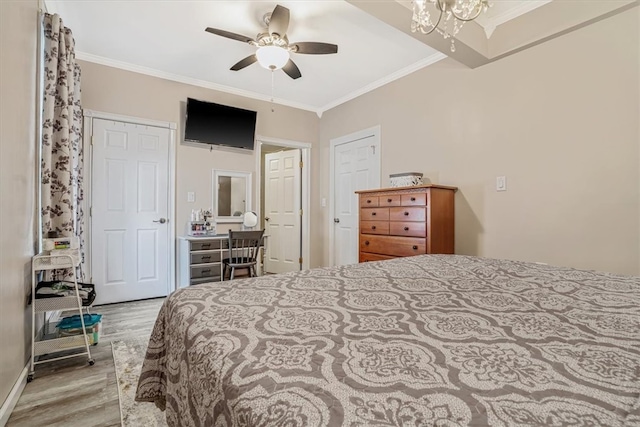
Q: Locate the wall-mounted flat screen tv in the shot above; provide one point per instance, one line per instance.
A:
(216, 124)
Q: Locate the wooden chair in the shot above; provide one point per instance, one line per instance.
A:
(243, 252)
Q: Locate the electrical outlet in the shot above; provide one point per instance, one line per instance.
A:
(191, 196)
(501, 183)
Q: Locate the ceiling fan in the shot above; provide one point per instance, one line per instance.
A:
(273, 45)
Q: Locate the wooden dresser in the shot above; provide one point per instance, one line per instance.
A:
(406, 221)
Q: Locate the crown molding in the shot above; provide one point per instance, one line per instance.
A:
(432, 59)
(490, 24)
(189, 80)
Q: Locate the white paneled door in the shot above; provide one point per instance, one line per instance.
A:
(356, 166)
(282, 214)
(130, 211)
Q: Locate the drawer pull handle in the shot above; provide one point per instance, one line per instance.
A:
(415, 248)
(368, 201)
(406, 214)
(373, 227)
(413, 199)
(366, 242)
(205, 245)
(208, 270)
(406, 229)
(206, 257)
(373, 214)
(389, 200)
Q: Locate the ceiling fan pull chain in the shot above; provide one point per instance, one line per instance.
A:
(272, 90)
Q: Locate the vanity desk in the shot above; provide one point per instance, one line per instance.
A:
(200, 258)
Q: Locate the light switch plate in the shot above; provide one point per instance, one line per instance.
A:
(191, 196)
(501, 183)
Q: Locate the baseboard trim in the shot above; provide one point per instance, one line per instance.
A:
(14, 395)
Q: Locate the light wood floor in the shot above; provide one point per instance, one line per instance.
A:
(70, 392)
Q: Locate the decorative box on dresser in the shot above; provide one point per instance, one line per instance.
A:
(406, 221)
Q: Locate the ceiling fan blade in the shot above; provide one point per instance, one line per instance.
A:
(292, 70)
(229, 35)
(244, 62)
(315, 48)
(279, 22)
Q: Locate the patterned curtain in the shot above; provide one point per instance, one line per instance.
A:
(62, 153)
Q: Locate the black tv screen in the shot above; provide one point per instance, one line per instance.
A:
(211, 123)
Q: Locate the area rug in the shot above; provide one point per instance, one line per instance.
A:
(128, 355)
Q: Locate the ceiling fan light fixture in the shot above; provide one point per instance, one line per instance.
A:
(272, 57)
(272, 44)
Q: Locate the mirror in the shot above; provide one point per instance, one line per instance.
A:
(231, 195)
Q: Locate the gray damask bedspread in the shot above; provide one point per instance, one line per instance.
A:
(433, 340)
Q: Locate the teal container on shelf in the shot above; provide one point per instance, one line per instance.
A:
(72, 326)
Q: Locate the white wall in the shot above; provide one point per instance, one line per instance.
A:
(18, 44)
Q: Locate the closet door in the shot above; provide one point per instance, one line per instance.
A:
(282, 204)
(356, 166)
(129, 213)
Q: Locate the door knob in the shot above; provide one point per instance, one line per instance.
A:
(161, 220)
(336, 220)
(266, 218)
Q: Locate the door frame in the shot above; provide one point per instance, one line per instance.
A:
(333, 143)
(87, 141)
(305, 203)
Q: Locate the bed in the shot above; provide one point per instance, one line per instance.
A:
(432, 340)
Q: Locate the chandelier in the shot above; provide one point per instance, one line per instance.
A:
(449, 16)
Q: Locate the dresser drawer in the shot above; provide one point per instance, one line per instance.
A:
(416, 199)
(393, 245)
(204, 280)
(411, 229)
(205, 245)
(408, 214)
(366, 257)
(369, 201)
(374, 227)
(374, 214)
(205, 257)
(206, 270)
(390, 200)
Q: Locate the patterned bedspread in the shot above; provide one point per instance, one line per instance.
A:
(432, 340)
